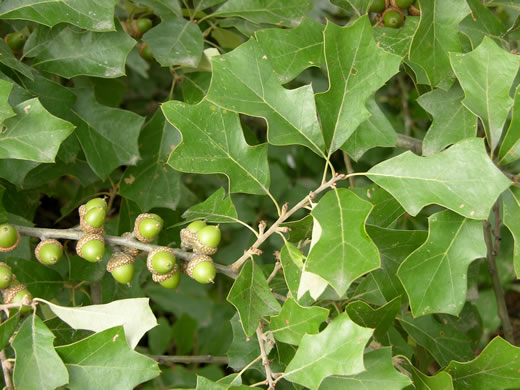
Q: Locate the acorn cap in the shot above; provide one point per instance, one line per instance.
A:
(152, 253)
(127, 249)
(2, 264)
(138, 220)
(196, 260)
(12, 247)
(42, 243)
(84, 225)
(86, 238)
(414, 11)
(161, 278)
(119, 259)
(200, 248)
(188, 238)
(10, 293)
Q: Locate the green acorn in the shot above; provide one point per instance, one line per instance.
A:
(91, 247)
(170, 280)
(403, 4)
(202, 269)
(93, 219)
(49, 252)
(6, 275)
(147, 227)
(15, 40)
(133, 252)
(393, 17)
(207, 240)
(161, 261)
(145, 52)
(9, 237)
(377, 6)
(121, 266)
(189, 234)
(18, 293)
(96, 202)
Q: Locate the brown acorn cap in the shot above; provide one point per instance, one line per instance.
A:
(394, 9)
(12, 247)
(138, 220)
(152, 253)
(119, 259)
(42, 243)
(414, 11)
(10, 292)
(200, 248)
(127, 249)
(161, 278)
(187, 238)
(86, 238)
(196, 260)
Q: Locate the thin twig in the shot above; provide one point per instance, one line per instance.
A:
(190, 359)
(404, 103)
(277, 267)
(410, 143)
(74, 234)
(350, 170)
(492, 251)
(285, 214)
(6, 366)
(265, 360)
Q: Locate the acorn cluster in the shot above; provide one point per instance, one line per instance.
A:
(392, 13)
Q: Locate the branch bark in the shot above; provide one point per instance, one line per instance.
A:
(265, 360)
(410, 143)
(5, 369)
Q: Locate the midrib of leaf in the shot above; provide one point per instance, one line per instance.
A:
(293, 325)
(217, 146)
(317, 149)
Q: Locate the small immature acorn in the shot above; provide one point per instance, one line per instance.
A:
(202, 269)
(15, 40)
(170, 280)
(133, 252)
(121, 266)
(147, 227)
(145, 52)
(403, 4)
(393, 17)
(92, 219)
(377, 6)
(140, 26)
(6, 275)
(189, 234)
(207, 240)
(161, 260)
(96, 202)
(49, 252)
(17, 293)
(91, 247)
(9, 237)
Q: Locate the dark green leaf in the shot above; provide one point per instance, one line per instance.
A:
(163, 8)
(510, 148)
(487, 97)
(288, 13)
(379, 319)
(42, 281)
(344, 250)
(511, 218)
(462, 179)
(5, 109)
(386, 209)
(480, 23)
(217, 208)
(184, 333)
(338, 350)
(152, 182)
(440, 381)
(243, 349)
(213, 142)
(397, 40)
(8, 59)
(104, 361)
(290, 114)
(37, 366)
(292, 264)
(294, 321)
(252, 297)
(357, 68)
(7, 329)
(452, 121)
(186, 47)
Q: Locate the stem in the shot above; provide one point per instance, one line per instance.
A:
(277, 267)
(350, 170)
(5, 369)
(410, 143)
(189, 359)
(492, 251)
(285, 214)
(265, 360)
(404, 103)
(74, 234)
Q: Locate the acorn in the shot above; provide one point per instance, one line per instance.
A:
(133, 252)
(189, 234)
(96, 202)
(17, 293)
(161, 261)
(170, 280)
(9, 237)
(121, 266)
(91, 247)
(393, 17)
(207, 240)
(147, 227)
(49, 252)
(93, 219)
(6, 275)
(202, 269)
